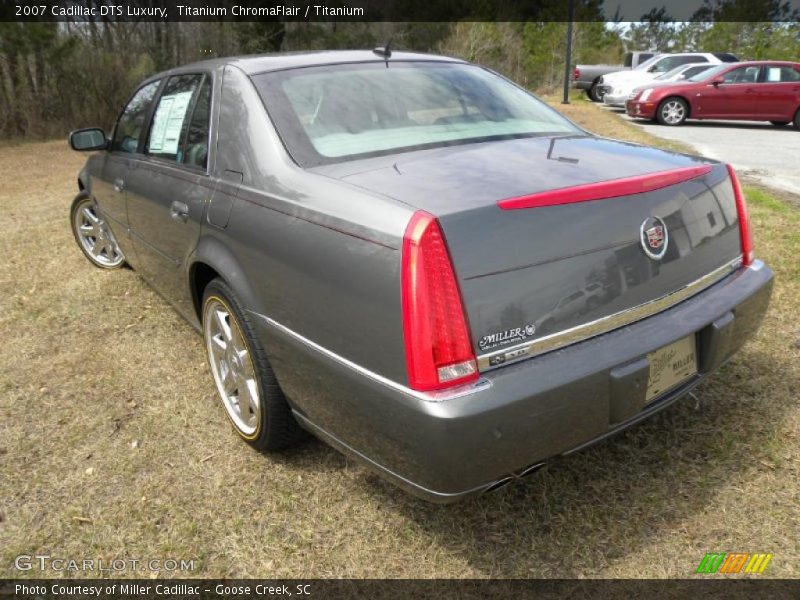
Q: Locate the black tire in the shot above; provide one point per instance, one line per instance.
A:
(595, 93)
(797, 120)
(780, 123)
(665, 113)
(106, 259)
(277, 428)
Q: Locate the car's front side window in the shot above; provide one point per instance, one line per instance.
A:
(665, 65)
(181, 117)
(670, 74)
(692, 71)
(710, 73)
(132, 121)
(645, 65)
(742, 75)
(671, 62)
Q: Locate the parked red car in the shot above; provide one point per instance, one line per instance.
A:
(753, 91)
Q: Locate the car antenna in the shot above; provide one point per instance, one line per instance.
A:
(384, 51)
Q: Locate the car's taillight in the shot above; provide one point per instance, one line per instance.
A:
(576, 73)
(438, 348)
(745, 233)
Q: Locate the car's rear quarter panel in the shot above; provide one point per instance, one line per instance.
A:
(322, 257)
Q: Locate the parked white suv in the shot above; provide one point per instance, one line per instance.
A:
(617, 86)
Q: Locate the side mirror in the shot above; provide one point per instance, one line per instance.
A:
(717, 80)
(88, 140)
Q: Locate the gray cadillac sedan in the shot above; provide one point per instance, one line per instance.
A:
(418, 261)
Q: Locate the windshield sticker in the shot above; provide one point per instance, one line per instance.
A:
(168, 122)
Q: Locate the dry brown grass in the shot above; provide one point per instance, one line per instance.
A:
(92, 361)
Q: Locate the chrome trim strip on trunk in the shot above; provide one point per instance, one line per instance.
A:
(433, 396)
(579, 333)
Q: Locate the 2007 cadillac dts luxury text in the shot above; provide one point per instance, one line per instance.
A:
(418, 261)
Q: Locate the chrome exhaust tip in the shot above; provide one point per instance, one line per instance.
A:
(501, 483)
(529, 470)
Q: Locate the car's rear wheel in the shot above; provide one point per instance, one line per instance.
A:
(92, 234)
(779, 123)
(797, 120)
(253, 401)
(672, 111)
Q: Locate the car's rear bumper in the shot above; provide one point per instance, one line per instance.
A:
(521, 414)
(582, 85)
(640, 110)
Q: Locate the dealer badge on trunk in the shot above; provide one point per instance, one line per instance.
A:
(654, 237)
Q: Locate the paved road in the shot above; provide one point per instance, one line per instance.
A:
(763, 151)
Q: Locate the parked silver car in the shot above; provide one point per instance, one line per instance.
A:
(368, 242)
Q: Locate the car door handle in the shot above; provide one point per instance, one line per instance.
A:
(119, 185)
(179, 211)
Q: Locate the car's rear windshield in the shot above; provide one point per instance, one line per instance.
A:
(347, 111)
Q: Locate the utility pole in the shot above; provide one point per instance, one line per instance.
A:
(568, 59)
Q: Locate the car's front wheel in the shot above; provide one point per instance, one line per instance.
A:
(245, 382)
(595, 93)
(92, 234)
(672, 111)
(797, 120)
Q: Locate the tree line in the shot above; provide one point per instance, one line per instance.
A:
(59, 76)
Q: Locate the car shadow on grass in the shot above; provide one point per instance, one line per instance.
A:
(612, 501)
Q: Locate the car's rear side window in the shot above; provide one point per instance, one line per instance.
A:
(196, 144)
(132, 121)
(179, 131)
(344, 111)
(781, 74)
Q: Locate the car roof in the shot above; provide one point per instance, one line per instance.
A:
(758, 63)
(698, 53)
(262, 63)
(722, 56)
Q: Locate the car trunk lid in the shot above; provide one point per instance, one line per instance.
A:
(538, 272)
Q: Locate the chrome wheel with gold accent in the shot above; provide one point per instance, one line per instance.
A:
(93, 234)
(250, 394)
(231, 366)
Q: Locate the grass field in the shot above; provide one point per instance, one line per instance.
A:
(113, 444)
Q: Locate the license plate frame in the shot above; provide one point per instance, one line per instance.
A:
(671, 366)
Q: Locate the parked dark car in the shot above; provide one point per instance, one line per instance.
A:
(368, 241)
(587, 77)
(752, 91)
